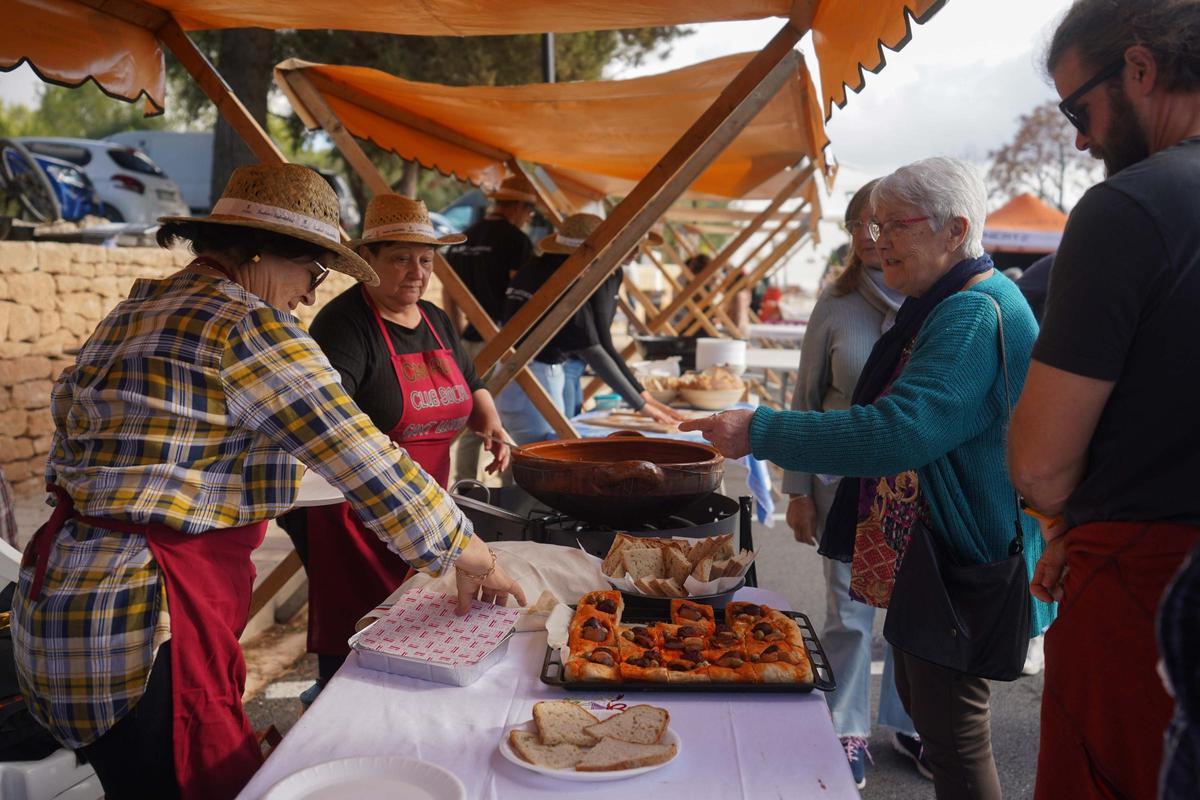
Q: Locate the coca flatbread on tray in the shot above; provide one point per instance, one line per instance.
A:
(750, 644)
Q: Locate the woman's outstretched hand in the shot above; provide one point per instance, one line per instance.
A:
(728, 431)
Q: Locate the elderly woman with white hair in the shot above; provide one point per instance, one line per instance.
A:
(924, 438)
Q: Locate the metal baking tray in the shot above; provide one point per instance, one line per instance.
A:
(553, 674)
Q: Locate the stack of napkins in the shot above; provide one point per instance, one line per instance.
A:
(422, 626)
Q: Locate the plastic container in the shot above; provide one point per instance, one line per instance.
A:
(729, 353)
(428, 671)
(606, 401)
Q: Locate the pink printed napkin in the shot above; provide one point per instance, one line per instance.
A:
(422, 625)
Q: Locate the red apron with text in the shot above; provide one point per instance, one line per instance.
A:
(209, 579)
(350, 570)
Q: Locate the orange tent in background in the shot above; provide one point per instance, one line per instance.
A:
(1024, 224)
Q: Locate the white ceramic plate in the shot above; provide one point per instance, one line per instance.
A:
(370, 778)
(574, 775)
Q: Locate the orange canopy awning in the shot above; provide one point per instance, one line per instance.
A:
(112, 41)
(606, 135)
(1024, 224)
(849, 37)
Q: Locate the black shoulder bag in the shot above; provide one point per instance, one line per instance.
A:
(972, 618)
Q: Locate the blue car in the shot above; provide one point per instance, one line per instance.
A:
(42, 188)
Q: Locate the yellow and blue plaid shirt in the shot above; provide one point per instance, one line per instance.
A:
(194, 405)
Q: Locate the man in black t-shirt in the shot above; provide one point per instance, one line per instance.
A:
(495, 249)
(1105, 441)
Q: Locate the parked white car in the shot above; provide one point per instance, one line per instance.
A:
(187, 158)
(131, 187)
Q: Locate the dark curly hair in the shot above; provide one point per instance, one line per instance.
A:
(1102, 30)
(242, 243)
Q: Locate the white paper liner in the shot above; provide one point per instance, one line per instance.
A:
(692, 586)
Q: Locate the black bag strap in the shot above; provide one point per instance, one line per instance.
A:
(1017, 545)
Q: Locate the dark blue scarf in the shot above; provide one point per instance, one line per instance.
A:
(842, 521)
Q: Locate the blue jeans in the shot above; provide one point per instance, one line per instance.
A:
(573, 386)
(847, 642)
(521, 419)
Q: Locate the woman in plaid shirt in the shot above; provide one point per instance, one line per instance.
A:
(181, 430)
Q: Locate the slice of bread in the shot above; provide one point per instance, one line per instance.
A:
(612, 562)
(640, 724)
(725, 548)
(677, 565)
(704, 570)
(561, 721)
(555, 756)
(670, 588)
(740, 563)
(643, 562)
(647, 585)
(707, 547)
(612, 754)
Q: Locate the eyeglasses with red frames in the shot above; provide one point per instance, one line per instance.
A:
(1078, 116)
(877, 230)
(318, 277)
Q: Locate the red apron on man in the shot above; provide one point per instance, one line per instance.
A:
(350, 570)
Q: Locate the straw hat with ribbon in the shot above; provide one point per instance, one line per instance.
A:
(291, 200)
(396, 218)
(515, 188)
(575, 229)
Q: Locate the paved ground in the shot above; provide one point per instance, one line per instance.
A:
(276, 661)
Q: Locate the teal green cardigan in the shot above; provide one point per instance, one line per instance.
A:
(944, 417)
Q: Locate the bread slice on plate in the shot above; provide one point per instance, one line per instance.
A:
(563, 722)
(613, 754)
(640, 724)
(552, 756)
(678, 567)
(643, 562)
(704, 571)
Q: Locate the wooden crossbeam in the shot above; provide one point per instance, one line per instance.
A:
(722, 258)
(587, 268)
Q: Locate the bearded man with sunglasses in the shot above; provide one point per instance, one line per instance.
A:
(1105, 442)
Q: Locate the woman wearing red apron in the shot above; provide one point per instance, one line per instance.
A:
(180, 430)
(400, 359)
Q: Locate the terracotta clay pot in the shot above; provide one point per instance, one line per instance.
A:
(620, 480)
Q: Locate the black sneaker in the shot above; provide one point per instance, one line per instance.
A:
(856, 752)
(911, 747)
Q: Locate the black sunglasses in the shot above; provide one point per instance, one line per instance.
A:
(318, 277)
(1079, 118)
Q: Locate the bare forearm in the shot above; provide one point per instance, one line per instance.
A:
(484, 416)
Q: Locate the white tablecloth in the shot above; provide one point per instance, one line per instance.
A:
(749, 746)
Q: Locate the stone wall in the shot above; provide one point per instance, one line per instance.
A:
(52, 296)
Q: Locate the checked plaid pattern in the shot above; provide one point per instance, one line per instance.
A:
(194, 405)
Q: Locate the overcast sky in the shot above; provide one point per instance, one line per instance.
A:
(956, 89)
